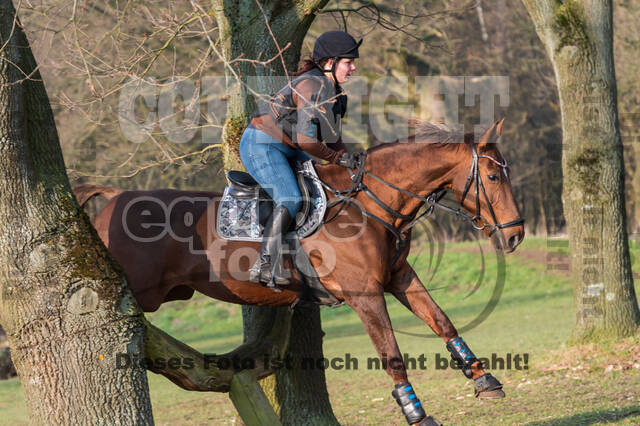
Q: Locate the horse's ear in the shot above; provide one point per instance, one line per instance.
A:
(492, 135)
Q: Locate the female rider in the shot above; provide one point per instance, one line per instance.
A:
(303, 117)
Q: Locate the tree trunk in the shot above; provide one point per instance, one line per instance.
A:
(297, 392)
(578, 36)
(64, 303)
(627, 50)
(299, 397)
(635, 186)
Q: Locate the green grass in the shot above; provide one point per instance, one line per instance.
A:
(12, 405)
(534, 315)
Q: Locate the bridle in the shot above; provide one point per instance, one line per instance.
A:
(432, 201)
(474, 176)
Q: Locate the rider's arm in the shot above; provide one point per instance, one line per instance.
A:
(308, 118)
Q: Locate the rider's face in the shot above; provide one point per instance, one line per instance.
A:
(344, 69)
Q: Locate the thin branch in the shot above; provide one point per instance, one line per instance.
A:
(168, 43)
(147, 166)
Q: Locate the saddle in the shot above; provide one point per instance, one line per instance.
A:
(245, 206)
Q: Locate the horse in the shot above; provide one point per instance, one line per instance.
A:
(167, 244)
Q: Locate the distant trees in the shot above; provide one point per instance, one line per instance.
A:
(578, 36)
(456, 48)
(85, 60)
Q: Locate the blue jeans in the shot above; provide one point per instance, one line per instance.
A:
(267, 161)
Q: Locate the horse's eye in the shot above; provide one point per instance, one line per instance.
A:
(493, 178)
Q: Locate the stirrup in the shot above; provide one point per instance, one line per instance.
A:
(263, 272)
(254, 272)
(273, 275)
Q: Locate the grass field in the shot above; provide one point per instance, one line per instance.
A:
(533, 316)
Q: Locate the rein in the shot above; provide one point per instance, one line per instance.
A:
(345, 197)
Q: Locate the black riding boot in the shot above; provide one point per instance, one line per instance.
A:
(270, 262)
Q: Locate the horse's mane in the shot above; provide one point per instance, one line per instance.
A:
(435, 132)
(431, 133)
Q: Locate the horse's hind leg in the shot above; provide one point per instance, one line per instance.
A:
(409, 290)
(372, 310)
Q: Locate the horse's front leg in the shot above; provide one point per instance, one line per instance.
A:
(371, 307)
(409, 290)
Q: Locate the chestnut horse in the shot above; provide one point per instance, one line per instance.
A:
(166, 241)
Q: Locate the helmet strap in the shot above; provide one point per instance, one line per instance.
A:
(333, 70)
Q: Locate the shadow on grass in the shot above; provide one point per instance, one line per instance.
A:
(593, 417)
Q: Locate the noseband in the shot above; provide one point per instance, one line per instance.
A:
(432, 201)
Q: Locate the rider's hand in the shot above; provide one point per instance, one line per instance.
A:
(347, 160)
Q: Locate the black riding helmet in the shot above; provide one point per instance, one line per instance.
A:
(335, 45)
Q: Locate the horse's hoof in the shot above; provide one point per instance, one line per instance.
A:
(488, 387)
(494, 394)
(429, 421)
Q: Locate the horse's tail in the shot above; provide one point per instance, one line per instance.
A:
(87, 191)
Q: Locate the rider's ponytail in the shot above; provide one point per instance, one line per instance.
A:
(308, 64)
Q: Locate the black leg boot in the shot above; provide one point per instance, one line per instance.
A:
(269, 266)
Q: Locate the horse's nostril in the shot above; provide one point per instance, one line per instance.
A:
(513, 241)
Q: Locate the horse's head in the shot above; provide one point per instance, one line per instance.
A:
(483, 188)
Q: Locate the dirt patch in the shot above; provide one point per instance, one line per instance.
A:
(554, 262)
(586, 358)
